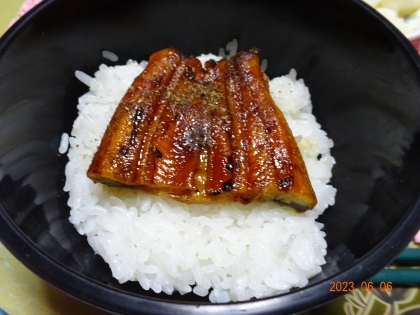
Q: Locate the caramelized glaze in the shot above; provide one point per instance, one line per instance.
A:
(202, 135)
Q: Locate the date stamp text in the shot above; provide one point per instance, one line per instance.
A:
(365, 286)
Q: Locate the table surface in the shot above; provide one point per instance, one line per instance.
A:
(23, 293)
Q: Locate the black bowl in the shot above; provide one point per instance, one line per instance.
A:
(365, 82)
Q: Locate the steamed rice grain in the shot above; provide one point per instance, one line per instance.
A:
(229, 252)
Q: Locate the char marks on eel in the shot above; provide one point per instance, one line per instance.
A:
(203, 135)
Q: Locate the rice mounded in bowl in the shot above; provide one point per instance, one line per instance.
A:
(234, 252)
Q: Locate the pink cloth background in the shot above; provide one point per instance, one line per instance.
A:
(26, 6)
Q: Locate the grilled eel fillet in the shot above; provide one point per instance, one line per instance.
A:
(203, 135)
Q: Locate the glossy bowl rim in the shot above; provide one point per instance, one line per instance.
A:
(116, 300)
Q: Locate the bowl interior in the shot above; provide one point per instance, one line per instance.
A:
(364, 81)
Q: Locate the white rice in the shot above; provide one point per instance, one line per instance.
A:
(64, 143)
(233, 252)
(110, 55)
